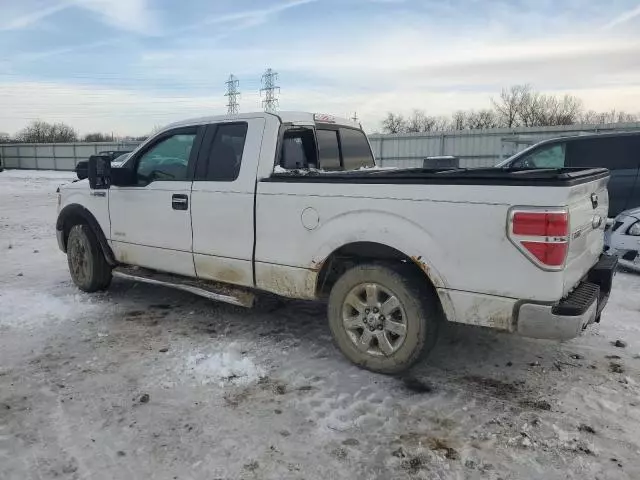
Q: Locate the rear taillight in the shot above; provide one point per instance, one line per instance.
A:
(542, 235)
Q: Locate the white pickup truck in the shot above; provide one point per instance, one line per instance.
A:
(292, 204)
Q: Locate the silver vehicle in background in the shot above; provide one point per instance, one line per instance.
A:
(622, 239)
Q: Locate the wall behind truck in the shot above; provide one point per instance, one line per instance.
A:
(474, 148)
(54, 156)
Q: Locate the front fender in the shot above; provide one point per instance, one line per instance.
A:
(74, 214)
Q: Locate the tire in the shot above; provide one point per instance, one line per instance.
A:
(385, 349)
(88, 267)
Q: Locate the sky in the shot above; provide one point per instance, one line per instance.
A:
(127, 66)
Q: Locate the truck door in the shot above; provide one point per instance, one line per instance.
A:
(223, 201)
(151, 221)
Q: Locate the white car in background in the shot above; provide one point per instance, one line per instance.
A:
(623, 239)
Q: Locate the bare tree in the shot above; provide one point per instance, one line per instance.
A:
(393, 123)
(420, 122)
(548, 110)
(43, 132)
(481, 119)
(416, 122)
(441, 123)
(518, 105)
(97, 137)
(613, 116)
(459, 120)
(509, 105)
(624, 117)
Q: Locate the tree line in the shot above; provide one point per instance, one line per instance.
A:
(39, 131)
(516, 106)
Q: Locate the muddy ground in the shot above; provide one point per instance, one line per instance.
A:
(146, 382)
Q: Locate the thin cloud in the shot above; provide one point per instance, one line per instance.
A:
(623, 18)
(130, 15)
(247, 17)
(24, 21)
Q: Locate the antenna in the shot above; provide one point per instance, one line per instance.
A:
(269, 87)
(233, 93)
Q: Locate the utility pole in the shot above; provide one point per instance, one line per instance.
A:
(270, 89)
(233, 93)
(355, 117)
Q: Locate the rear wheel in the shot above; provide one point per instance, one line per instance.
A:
(381, 319)
(87, 265)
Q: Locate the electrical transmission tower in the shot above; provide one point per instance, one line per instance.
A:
(270, 89)
(233, 93)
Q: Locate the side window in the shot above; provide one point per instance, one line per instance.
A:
(328, 151)
(167, 160)
(225, 155)
(549, 156)
(614, 153)
(355, 149)
(298, 149)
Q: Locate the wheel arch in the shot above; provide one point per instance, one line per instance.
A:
(354, 253)
(75, 214)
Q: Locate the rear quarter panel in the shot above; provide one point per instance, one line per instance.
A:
(457, 234)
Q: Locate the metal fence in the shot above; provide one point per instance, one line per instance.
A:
(474, 148)
(54, 156)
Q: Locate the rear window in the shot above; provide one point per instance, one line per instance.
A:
(355, 149)
(614, 153)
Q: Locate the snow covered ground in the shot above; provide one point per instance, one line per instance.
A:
(146, 382)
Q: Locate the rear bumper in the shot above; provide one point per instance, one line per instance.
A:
(567, 318)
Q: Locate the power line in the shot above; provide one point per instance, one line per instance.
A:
(233, 93)
(269, 87)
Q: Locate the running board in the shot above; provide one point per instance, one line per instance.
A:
(211, 290)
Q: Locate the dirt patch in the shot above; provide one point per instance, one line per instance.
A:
(615, 367)
(535, 404)
(340, 453)
(495, 387)
(436, 444)
(264, 385)
(439, 444)
(161, 306)
(587, 428)
(416, 385)
(414, 465)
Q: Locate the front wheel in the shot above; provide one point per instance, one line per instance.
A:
(381, 319)
(87, 265)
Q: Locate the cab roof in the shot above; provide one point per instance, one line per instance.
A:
(301, 118)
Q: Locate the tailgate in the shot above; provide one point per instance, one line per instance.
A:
(588, 209)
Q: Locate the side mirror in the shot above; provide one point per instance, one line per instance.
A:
(99, 172)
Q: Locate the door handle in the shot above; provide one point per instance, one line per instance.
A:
(179, 201)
